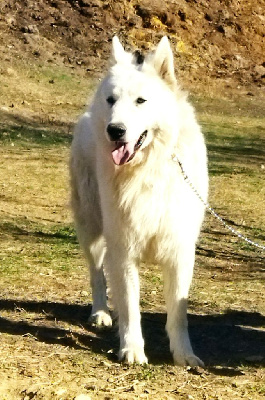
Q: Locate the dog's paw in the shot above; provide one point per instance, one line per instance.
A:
(187, 360)
(100, 319)
(133, 355)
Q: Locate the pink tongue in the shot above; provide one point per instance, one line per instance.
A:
(123, 152)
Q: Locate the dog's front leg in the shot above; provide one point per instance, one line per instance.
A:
(177, 280)
(124, 285)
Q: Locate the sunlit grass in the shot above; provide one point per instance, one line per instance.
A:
(48, 93)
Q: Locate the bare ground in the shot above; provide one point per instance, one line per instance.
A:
(216, 44)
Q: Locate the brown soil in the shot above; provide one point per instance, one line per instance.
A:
(221, 41)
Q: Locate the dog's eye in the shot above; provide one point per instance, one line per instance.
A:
(111, 100)
(140, 100)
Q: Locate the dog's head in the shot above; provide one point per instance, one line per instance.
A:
(137, 100)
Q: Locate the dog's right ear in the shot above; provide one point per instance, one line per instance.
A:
(163, 62)
(119, 55)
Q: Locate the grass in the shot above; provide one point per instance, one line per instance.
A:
(47, 350)
(50, 94)
(28, 136)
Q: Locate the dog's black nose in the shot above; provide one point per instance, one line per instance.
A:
(116, 131)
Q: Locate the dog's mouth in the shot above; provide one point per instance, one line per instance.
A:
(125, 151)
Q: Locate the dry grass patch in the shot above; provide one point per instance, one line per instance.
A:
(51, 94)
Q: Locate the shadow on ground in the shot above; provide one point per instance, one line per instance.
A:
(23, 130)
(233, 153)
(227, 340)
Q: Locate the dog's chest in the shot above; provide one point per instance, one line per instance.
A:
(148, 201)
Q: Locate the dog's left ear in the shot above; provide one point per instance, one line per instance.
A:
(163, 62)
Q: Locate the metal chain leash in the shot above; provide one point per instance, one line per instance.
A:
(212, 211)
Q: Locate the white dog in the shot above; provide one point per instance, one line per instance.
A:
(130, 200)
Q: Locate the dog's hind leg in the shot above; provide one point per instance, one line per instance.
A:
(176, 287)
(87, 215)
(94, 248)
(100, 315)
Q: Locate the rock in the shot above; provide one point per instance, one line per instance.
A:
(82, 397)
(32, 29)
(260, 70)
(11, 21)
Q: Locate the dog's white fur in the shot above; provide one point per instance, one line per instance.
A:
(142, 210)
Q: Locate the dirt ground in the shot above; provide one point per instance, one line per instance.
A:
(216, 43)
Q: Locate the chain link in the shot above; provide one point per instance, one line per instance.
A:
(212, 211)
